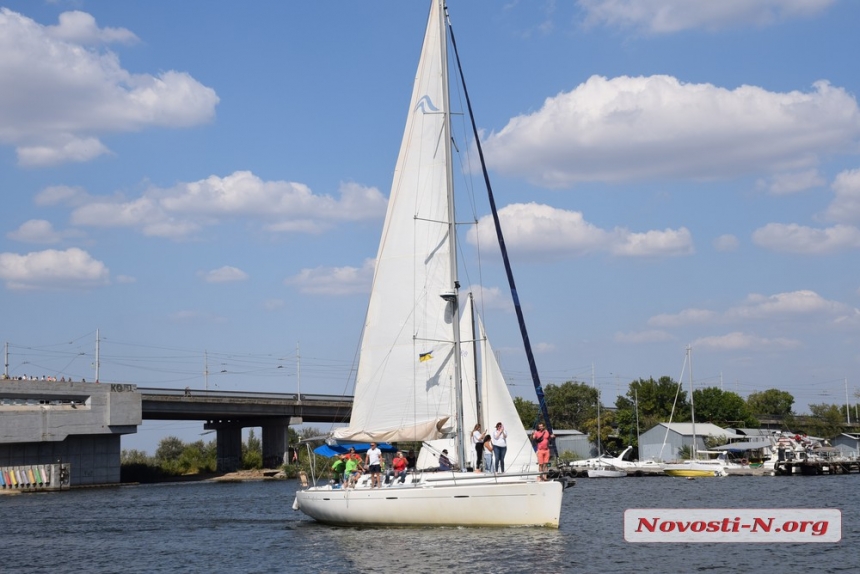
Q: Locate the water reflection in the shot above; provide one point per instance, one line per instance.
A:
(440, 549)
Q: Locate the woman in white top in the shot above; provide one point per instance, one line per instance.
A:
(478, 445)
(500, 446)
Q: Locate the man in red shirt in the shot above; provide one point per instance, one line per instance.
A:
(398, 468)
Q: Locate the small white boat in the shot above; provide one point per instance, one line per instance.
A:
(606, 472)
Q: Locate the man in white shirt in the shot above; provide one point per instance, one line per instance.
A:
(374, 465)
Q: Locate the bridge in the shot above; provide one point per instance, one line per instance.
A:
(228, 412)
(42, 422)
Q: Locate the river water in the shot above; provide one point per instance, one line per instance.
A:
(251, 527)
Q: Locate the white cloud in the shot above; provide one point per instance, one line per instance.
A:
(334, 280)
(658, 127)
(784, 305)
(36, 231)
(542, 229)
(793, 182)
(667, 16)
(52, 269)
(639, 337)
(126, 279)
(491, 298)
(544, 348)
(61, 149)
(726, 242)
(685, 317)
(186, 208)
(794, 238)
(59, 194)
(224, 274)
(655, 243)
(846, 205)
(196, 317)
(81, 28)
(757, 308)
(742, 341)
(68, 91)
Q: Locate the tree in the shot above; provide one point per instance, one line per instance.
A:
(723, 408)
(771, 402)
(252, 452)
(828, 420)
(571, 404)
(527, 411)
(607, 419)
(197, 457)
(169, 449)
(133, 456)
(656, 400)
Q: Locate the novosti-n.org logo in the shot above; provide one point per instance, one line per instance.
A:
(732, 525)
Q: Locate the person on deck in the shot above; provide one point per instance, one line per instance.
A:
(488, 453)
(410, 460)
(478, 445)
(541, 438)
(500, 446)
(338, 468)
(374, 465)
(352, 471)
(397, 470)
(444, 461)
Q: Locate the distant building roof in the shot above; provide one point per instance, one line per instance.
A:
(752, 432)
(702, 429)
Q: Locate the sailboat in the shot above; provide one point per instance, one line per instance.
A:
(696, 467)
(603, 469)
(423, 347)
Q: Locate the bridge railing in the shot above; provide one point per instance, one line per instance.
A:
(242, 394)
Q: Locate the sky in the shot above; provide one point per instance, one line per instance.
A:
(200, 187)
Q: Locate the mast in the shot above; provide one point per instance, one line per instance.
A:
(599, 446)
(636, 402)
(514, 295)
(452, 296)
(6, 360)
(478, 395)
(298, 374)
(97, 355)
(692, 405)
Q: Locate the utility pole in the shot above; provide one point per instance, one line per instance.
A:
(97, 355)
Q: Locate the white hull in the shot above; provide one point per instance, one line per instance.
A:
(606, 473)
(471, 500)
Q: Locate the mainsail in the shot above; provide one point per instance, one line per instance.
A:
(405, 381)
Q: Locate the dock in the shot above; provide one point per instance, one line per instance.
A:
(815, 467)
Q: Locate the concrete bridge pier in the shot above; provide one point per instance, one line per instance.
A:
(275, 442)
(229, 448)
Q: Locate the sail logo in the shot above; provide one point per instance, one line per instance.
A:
(425, 105)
